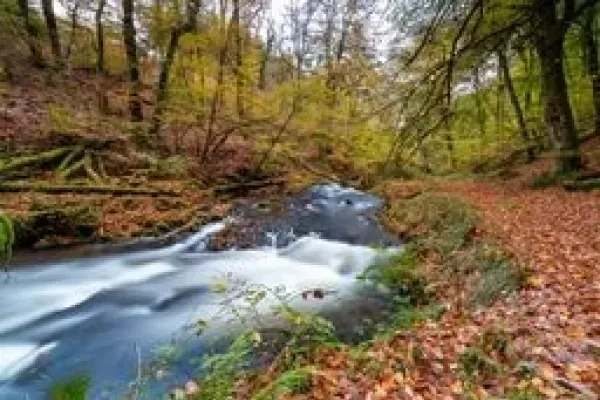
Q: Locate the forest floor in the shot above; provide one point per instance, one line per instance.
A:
(548, 332)
(41, 110)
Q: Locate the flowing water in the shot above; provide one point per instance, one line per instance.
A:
(101, 316)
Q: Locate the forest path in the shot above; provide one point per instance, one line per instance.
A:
(556, 317)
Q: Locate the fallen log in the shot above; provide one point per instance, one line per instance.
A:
(242, 187)
(11, 187)
(586, 185)
(47, 157)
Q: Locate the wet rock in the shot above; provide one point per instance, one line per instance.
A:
(191, 388)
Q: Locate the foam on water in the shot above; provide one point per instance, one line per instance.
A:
(17, 357)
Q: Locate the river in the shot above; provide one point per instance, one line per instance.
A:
(103, 315)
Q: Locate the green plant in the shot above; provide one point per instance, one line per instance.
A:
(434, 222)
(295, 381)
(74, 388)
(221, 370)
(400, 275)
(474, 364)
(7, 237)
(499, 276)
(305, 332)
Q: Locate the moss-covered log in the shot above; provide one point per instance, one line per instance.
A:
(88, 189)
(585, 185)
(37, 160)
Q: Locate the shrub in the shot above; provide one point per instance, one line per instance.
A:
(222, 370)
(434, 222)
(400, 275)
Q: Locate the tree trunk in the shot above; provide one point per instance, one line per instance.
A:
(514, 99)
(73, 15)
(48, 9)
(590, 48)
(560, 124)
(162, 92)
(135, 103)
(32, 42)
(163, 82)
(266, 54)
(239, 79)
(100, 37)
(100, 68)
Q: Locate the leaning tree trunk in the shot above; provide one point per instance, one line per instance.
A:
(558, 115)
(193, 7)
(514, 99)
(590, 47)
(32, 42)
(163, 81)
(135, 103)
(50, 17)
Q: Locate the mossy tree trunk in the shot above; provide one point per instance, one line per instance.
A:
(193, 7)
(590, 48)
(129, 39)
(560, 124)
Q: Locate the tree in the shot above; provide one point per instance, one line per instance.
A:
(31, 32)
(129, 39)
(549, 32)
(73, 8)
(590, 50)
(50, 17)
(100, 37)
(188, 25)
